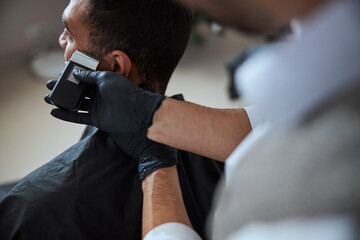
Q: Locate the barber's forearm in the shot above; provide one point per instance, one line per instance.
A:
(210, 132)
(163, 200)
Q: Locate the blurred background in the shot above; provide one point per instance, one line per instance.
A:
(30, 55)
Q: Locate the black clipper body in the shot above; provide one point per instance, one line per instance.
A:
(68, 91)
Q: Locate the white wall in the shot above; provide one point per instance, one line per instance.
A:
(27, 26)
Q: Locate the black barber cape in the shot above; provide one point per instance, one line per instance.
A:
(93, 191)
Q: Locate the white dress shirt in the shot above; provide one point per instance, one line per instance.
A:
(286, 81)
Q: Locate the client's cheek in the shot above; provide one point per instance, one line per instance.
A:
(104, 66)
(67, 54)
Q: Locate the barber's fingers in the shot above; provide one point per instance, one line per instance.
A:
(87, 76)
(75, 117)
(47, 99)
(51, 84)
(85, 104)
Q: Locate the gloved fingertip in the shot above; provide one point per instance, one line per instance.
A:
(47, 99)
(51, 83)
(86, 76)
(58, 113)
(78, 71)
(54, 112)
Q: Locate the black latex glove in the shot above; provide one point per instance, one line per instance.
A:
(119, 106)
(150, 155)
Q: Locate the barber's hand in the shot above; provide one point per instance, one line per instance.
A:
(150, 155)
(119, 106)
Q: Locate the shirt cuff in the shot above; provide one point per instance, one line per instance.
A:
(172, 231)
(254, 116)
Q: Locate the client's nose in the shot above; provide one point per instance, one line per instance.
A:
(62, 41)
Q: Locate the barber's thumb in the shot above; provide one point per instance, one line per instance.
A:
(74, 117)
(86, 76)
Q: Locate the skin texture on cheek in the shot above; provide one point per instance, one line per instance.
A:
(69, 50)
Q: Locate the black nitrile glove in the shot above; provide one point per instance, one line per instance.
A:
(119, 106)
(150, 155)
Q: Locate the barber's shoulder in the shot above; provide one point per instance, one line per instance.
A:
(298, 171)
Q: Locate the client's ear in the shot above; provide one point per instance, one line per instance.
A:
(121, 63)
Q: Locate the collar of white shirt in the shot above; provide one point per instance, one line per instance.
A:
(288, 79)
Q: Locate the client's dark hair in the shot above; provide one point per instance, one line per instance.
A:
(153, 33)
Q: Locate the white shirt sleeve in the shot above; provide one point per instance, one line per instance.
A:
(255, 117)
(172, 231)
